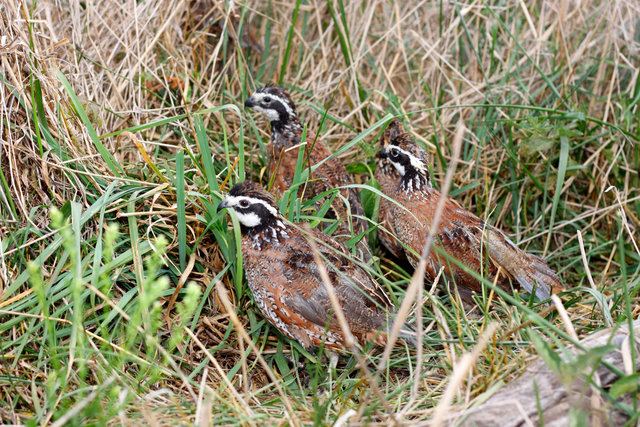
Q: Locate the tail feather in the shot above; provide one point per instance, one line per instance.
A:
(407, 334)
(541, 277)
(531, 271)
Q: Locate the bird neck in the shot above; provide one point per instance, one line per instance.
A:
(286, 131)
(387, 169)
(272, 231)
(414, 180)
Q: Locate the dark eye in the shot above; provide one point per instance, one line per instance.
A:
(266, 100)
(244, 204)
(395, 152)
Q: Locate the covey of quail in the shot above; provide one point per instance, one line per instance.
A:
(286, 136)
(285, 282)
(462, 237)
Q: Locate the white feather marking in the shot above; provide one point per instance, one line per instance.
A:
(249, 219)
(415, 162)
(272, 115)
(398, 167)
(234, 201)
(259, 96)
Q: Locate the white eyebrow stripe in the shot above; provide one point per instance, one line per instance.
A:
(259, 96)
(235, 200)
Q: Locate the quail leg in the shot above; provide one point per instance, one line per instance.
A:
(300, 368)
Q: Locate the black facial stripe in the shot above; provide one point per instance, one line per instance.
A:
(402, 159)
(282, 111)
(257, 209)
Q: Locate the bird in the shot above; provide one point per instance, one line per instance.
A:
(388, 177)
(461, 235)
(286, 135)
(285, 281)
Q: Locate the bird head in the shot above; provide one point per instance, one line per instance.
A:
(274, 102)
(393, 130)
(402, 151)
(253, 205)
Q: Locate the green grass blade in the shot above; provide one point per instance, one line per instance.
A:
(562, 170)
(180, 200)
(104, 153)
(287, 51)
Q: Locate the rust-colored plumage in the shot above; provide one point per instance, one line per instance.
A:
(286, 138)
(461, 235)
(286, 284)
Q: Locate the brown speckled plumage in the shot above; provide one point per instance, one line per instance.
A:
(461, 235)
(285, 282)
(286, 136)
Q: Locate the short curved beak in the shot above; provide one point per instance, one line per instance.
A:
(250, 103)
(383, 153)
(222, 205)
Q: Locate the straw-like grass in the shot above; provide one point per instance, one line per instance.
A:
(127, 118)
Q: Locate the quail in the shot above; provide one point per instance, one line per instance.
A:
(388, 177)
(461, 235)
(286, 285)
(286, 135)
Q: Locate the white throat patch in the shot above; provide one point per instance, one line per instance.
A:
(398, 167)
(249, 219)
(271, 115)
